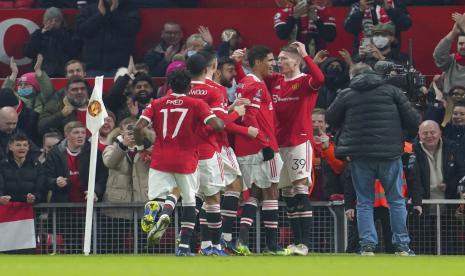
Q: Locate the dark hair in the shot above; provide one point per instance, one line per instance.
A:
(196, 64)
(53, 135)
(257, 53)
(142, 67)
(18, 137)
(208, 53)
(179, 81)
(224, 61)
(319, 111)
(75, 61)
(141, 76)
(77, 79)
(459, 104)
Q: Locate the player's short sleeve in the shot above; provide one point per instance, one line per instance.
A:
(217, 101)
(281, 17)
(203, 111)
(148, 112)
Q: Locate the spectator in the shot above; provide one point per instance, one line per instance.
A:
(128, 166)
(16, 4)
(142, 91)
(64, 4)
(453, 65)
(109, 31)
(21, 178)
(105, 130)
(27, 118)
(311, 22)
(32, 88)
(366, 14)
(380, 47)
(371, 116)
(231, 40)
(194, 43)
(8, 127)
(455, 130)
(175, 65)
(67, 169)
(60, 111)
(50, 139)
(439, 165)
(56, 43)
(336, 73)
(159, 57)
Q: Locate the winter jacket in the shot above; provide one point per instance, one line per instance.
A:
(51, 119)
(127, 179)
(57, 165)
(453, 169)
(398, 15)
(371, 116)
(109, 39)
(17, 181)
(57, 46)
(444, 60)
(34, 150)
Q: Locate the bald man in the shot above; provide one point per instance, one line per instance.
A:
(8, 123)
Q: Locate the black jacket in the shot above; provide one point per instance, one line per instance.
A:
(371, 116)
(57, 46)
(17, 181)
(28, 122)
(453, 169)
(109, 39)
(56, 165)
(398, 15)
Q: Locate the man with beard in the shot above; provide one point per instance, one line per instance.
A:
(225, 74)
(141, 93)
(72, 107)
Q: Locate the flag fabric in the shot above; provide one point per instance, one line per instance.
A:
(96, 111)
(17, 226)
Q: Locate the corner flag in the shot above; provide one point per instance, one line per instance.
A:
(95, 117)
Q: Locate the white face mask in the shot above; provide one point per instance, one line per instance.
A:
(191, 53)
(380, 41)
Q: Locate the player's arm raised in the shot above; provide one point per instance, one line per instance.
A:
(317, 79)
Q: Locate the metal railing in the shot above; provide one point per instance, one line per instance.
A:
(116, 229)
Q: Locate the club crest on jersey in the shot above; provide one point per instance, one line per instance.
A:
(198, 92)
(295, 86)
(174, 102)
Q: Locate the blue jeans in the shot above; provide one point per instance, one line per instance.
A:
(389, 172)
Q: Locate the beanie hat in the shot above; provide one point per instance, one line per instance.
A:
(8, 98)
(175, 65)
(31, 79)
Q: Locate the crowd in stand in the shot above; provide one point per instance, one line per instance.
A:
(44, 148)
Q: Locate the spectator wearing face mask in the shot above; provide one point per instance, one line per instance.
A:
(336, 74)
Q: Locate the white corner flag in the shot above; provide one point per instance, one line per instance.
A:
(96, 114)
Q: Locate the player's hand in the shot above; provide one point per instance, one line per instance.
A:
(299, 10)
(30, 198)
(252, 132)
(240, 109)
(205, 34)
(4, 200)
(241, 101)
(238, 55)
(300, 48)
(95, 196)
(61, 181)
(418, 209)
(346, 56)
(101, 7)
(320, 56)
(350, 214)
(268, 153)
(38, 65)
(67, 109)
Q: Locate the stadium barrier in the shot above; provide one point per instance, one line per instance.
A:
(116, 229)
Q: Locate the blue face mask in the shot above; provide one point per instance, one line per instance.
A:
(25, 91)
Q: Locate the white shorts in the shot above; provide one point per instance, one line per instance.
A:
(297, 164)
(261, 173)
(230, 164)
(211, 175)
(162, 183)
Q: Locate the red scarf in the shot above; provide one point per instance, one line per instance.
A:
(459, 59)
(368, 22)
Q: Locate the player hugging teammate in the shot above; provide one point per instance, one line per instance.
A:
(271, 125)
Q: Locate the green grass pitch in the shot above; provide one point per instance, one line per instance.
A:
(254, 265)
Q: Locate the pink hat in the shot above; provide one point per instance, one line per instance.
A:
(175, 65)
(31, 79)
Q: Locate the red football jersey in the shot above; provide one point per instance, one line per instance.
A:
(294, 101)
(176, 119)
(259, 113)
(208, 144)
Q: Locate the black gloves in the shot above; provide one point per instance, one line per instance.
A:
(268, 153)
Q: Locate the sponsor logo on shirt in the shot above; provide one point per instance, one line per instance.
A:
(276, 99)
(174, 102)
(198, 92)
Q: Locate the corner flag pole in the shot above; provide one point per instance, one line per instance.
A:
(96, 114)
